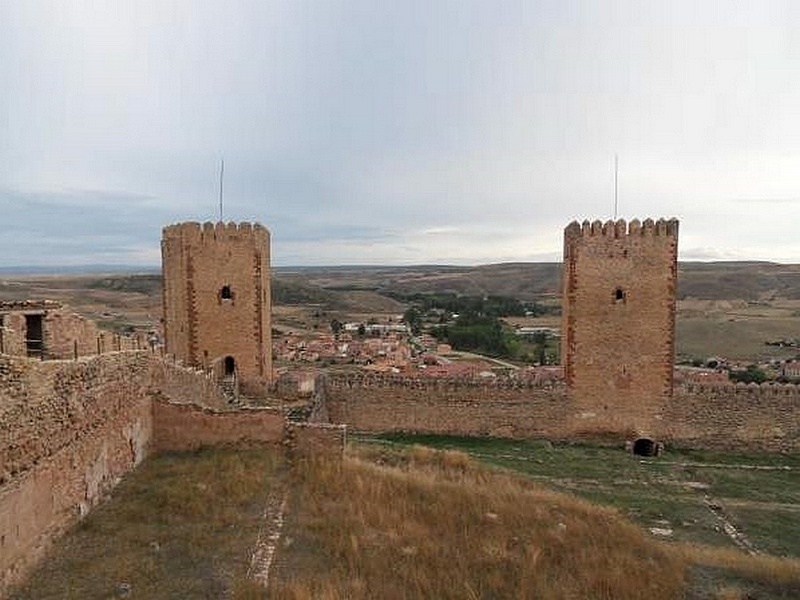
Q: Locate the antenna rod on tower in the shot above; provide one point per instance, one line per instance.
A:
(221, 174)
(616, 187)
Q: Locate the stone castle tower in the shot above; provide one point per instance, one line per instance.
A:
(618, 330)
(217, 305)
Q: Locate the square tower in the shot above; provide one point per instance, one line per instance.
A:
(217, 304)
(618, 330)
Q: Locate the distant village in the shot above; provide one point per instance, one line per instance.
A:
(391, 347)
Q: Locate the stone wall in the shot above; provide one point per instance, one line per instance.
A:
(735, 417)
(47, 406)
(504, 408)
(179, 427)
(184, 385)
(316, 439)
(619, 321)
(70, 430)
(217, 281)
(732, 417)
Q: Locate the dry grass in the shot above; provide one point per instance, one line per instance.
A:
(768, 569)
(432, 524)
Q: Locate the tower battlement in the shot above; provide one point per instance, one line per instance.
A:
(621, 228)
(213, 232)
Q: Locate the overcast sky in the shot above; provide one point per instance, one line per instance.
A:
(397, 132)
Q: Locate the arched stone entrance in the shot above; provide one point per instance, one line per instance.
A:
(647, 447)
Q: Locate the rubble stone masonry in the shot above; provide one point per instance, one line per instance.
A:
(376, 403)
(180, 427)
(68, 431)
(734, 417)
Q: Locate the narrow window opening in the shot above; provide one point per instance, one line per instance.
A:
(619, 295)
(225, 293)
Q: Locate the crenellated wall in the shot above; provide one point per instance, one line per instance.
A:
(756, 417)
(502, 408)
(742, 417)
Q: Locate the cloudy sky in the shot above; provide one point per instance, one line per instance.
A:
(399, 131)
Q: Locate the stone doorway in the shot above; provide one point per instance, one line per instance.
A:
(34, 336)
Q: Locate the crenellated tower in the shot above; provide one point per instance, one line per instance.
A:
(618, 330)
(217, 305)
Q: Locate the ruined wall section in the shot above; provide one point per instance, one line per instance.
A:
(310, 440)
(180, 427)
(46, 406)
(619, 286)
(13, 332)
(179, 384)
(65, 334)
(503, 408)
(217, 296)
(70, 430)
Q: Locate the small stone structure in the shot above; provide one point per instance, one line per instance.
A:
(46, 329)
(217, 304)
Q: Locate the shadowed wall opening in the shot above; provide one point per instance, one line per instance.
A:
(230, 366)
(34, 335)
(645, 447)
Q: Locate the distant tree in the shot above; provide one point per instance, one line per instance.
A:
(362, 330)
(336, 326)
(540, 342)
(413, 319)
(752, 374)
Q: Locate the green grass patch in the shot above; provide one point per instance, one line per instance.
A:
(773, 530)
